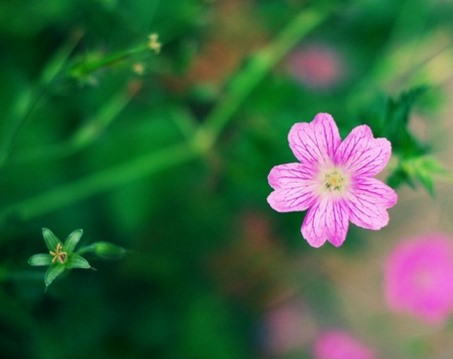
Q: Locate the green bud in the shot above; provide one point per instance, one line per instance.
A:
(107, 250)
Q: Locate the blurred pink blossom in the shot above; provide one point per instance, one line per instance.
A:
(317, 66)
(333, 180)
(419, 277)
(338, 344)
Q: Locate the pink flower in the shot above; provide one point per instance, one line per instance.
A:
(419, 277)
(333, 180)
(337, 344)
(317, 66)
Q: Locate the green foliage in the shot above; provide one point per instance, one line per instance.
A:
(390, 119)
(423, 169)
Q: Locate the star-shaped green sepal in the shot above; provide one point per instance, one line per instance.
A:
(61, 256)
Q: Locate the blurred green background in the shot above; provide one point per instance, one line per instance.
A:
(166, 153)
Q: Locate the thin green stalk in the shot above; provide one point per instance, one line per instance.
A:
(201, 143)
(85, 136)
(84, 67)
(258, 68)
(411, 20)
(87, 249)
(54, 71)
(99, 182)
(30, 99)
(24, 103)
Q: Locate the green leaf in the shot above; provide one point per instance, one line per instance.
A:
(397, 178)
(59, 59)
(423, 169)
(53, 272)
(77, 261)
(107, 250)
(50, 239)
(40, 260)
(72, 240)
(426, 181)
(390, 118)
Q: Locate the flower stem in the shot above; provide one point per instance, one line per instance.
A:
(99, 182)
(84, 68)
(87, 249)
(85, 136)
(202, 141)
(33, 96)
(259, 66)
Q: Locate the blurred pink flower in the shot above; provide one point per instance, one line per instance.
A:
(316, 66)
(419, 277)
(333, 180)
(337, 344)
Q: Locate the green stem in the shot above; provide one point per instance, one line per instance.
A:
(202, 141)
(259, 66)
(87, 249)
(84, 68)
(24, 105)
(383, 69)
(32, 98)
(101, 181)
(85, 136)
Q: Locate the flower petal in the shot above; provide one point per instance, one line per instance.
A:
(42, 259)
(316, 142)
(50, 239)
(53, 272)
(290, 175)
(77, 261)
(363, 154)
(326, 220)
(294, 187)
(368, 202)
(72, 240)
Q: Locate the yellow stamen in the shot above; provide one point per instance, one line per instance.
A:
(153, 43)
(59, 255)
(334, 181)
(138, 68)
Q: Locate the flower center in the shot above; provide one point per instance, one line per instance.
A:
(424, 280)
(59, 255)
(333, 181)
